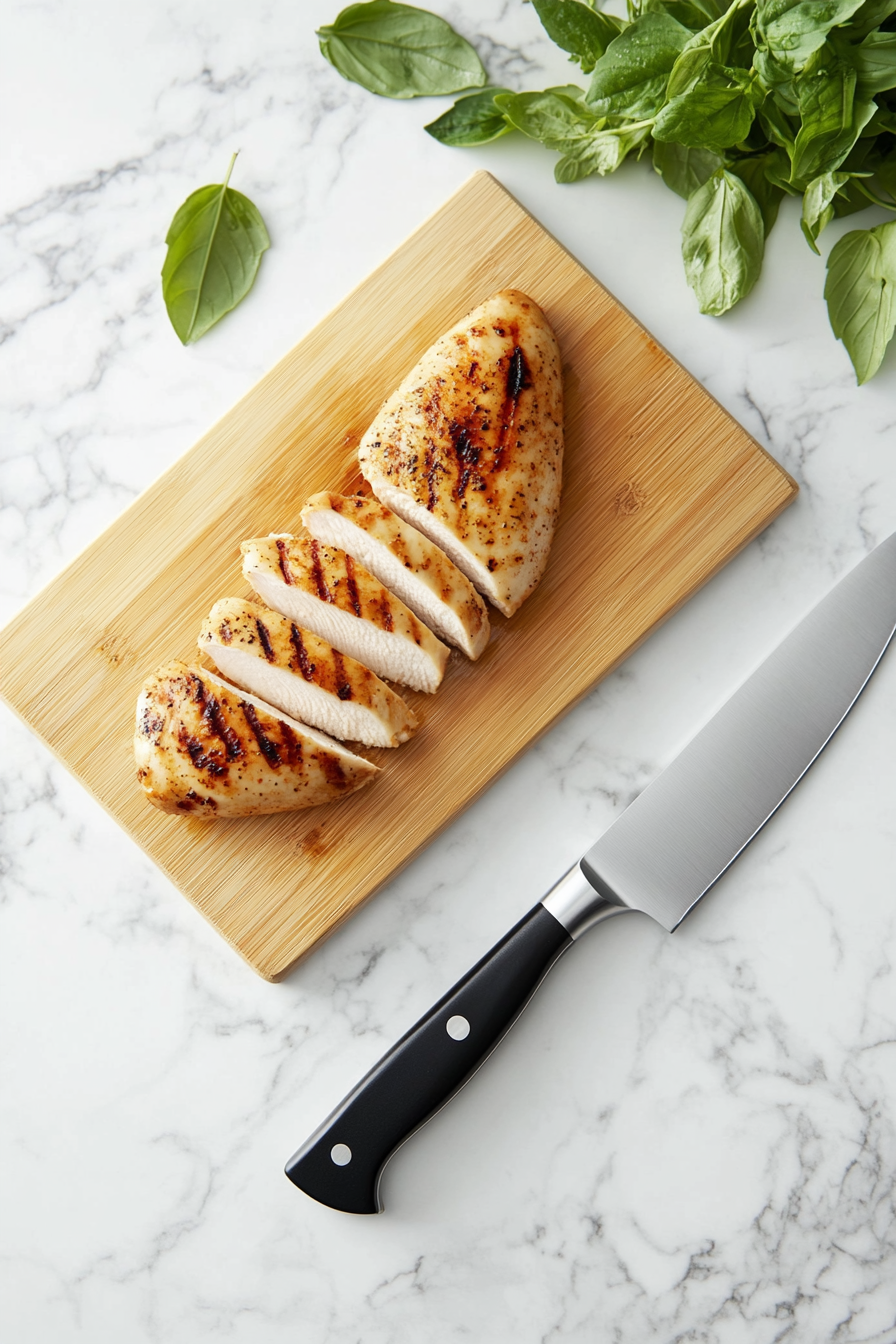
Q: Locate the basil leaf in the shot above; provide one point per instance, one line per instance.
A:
(777, 170)
(832, 119)
(601, 153)
(875, 64)
(886, 173)
(716, 113)
(766, 192)
(722, 242)
(630, 78)
(779, 81)
(684, 168)
(859, 291)
(215, 245)
(777, 126)
(474, 120)
(870, 15)
(553, 117)
(399, 51)
(791, 30)
(818, 208)
(585, 33)
(713, 45)
(692, 13)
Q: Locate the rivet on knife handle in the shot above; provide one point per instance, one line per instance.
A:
(340, 1165)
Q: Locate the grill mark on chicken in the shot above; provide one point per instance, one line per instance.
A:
(432, 467)
(343, 685)
(518, 375)
(333, 771)
(198, 689)
(265, 637)
(317, 574)
(215, 719)
(267, 748)
(518, 379)
(352, 585)
(467, 452)
(194, 800)
(152, 723)
(209, 761)
(284, 562)
(306, 667)
(291, 745)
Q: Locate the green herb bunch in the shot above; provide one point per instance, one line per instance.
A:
(739, 104)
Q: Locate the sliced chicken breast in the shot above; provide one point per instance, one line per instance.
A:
(205, 749)
(295, 671)
(409, 564)
(323, 590)
(469, 449)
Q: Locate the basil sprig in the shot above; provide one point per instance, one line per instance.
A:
(399, 51)
(741, 102)
(215, 245)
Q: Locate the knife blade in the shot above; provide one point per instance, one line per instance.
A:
(659, 857)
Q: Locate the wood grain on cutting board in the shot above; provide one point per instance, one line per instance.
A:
(661, 488)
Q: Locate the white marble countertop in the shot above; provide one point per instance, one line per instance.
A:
(688, 1138)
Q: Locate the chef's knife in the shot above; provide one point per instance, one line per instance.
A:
(664, 852)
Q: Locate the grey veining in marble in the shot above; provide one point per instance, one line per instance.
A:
(686, 1138)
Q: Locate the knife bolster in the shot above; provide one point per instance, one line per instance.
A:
(579, 902)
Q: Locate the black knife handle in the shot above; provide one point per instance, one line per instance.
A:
(341, 1163)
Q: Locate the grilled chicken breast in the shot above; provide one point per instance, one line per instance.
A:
(302, 675)
(469, 449)
(322, 589)
(409, 564)
(205, 749)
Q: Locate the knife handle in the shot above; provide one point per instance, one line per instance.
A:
(341, 1163)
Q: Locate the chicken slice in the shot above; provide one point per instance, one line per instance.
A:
(322, 589)
(304, 676)
(208, 750)
(469, 449)
(409, 564)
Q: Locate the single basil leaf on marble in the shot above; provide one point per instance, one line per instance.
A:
(473, 120)
(584, 32)
(601, 153)
(399, 51)
(818, 205)
(791, 30)
(716, 113)
(766, 192)
(684, 168)
(554, 117)
(215, 245)
(875, 64)
(859, 291)
(869, 16)
(832, 118)
(722, 242)
(630, 78)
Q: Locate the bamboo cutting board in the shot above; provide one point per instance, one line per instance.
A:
(661, 488)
